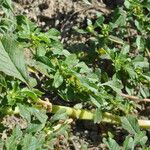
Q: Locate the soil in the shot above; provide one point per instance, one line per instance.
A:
(61, 14)
(64, 15)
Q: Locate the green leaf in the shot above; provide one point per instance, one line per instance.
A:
(53, 32)
(125, 50)
(146, 4)
(140, 62)
(1, 144)
(114, 84)
(13, 141)
(24, 112)
(119, 18)
(60, 114)
(30, 94)
(147, 76)
(39, 114)
(2, 81)
(98, 116)
(72, 60)
(32, 143)
(26, 27)
(111, 144)
(12, 59)
(140, 43)
(140, 138)
(41, 50)
(115, 39)
(128, 144)
(7, 4)
(34, 127)
(58, 79)
(81, 31)
(99, 21)
(45, 60)
(130, 124)
(127, 4)
(95, 102)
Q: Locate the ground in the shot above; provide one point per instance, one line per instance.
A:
(64, 15)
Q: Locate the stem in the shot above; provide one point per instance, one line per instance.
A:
(145, 124)
(81, 114)
(88, 115)
(85, 114)
(148, 53)
(135, 98)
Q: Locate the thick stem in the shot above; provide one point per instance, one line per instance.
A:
(82, 114)
(85, 114)
(145, 124)
(88, 115)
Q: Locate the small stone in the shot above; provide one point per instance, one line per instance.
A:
(42, 23)
(26, 11)
(86, 131)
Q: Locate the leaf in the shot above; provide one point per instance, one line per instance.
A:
(25, 27)
(138, 25)
(144, 91)
(12, 60)
(53, 32)
(111, 144)
(146, 4)
(41, 50)
(147, 76)
(32, 143)
(87, 2)
(8, 4)
(88, 84)
(140, 138)
(30, 94)
(140, 43)
(130, 124)
(13, 141)
(83, 68)
(59, 115)
(72, 60)
(58, 79)
(127, 4)
(1, 144)
(24, 112)
(45, 60)
(98, 116)
(81, 31)
(34, 127)
(99, 21)
(128, 144)
(95, 102)
(2, 81)
(116, 39)
(39, 114)
(119, 18)
(140, 62)
(125, 49)
(115, 84)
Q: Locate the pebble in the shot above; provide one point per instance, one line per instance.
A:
(86, 131)
(26, 11)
